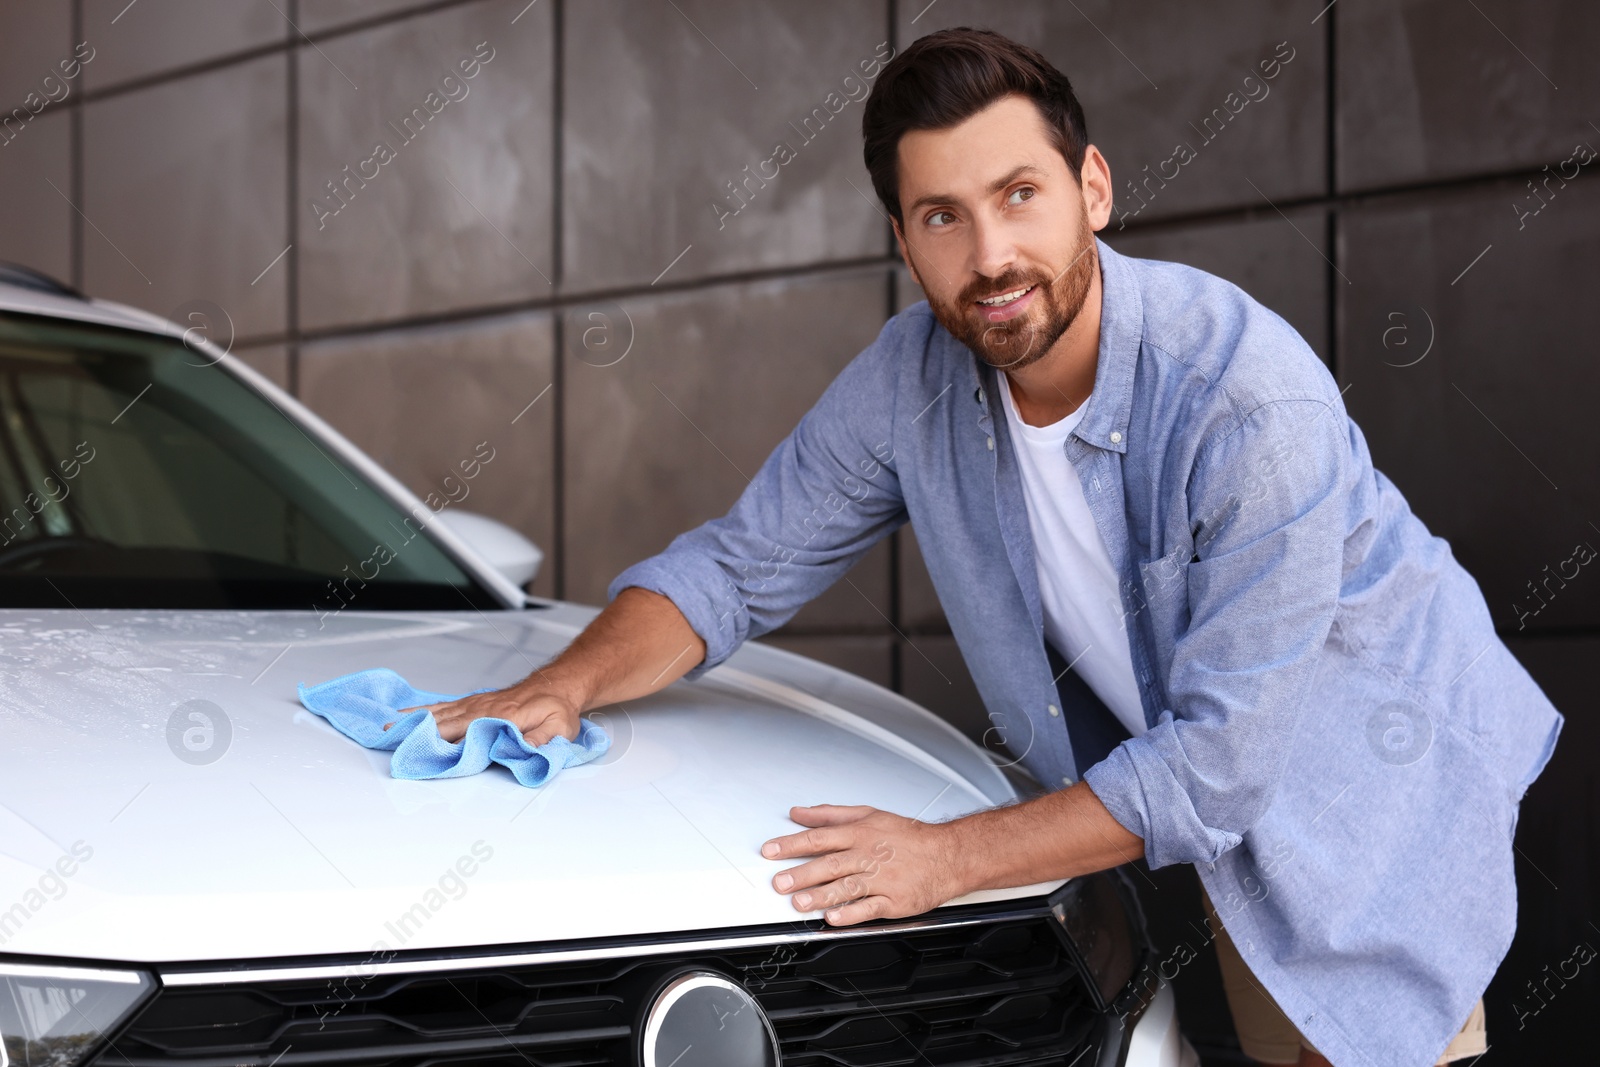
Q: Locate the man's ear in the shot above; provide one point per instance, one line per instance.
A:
(1095, 183)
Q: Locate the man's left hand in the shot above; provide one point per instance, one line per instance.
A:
(869, 864)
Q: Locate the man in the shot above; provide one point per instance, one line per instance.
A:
(1181, 587)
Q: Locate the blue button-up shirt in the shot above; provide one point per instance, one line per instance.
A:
(1336, 738)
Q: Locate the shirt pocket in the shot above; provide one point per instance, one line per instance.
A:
(1165, 579)
(1164, 587)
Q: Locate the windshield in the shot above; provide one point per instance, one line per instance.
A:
(134, 473)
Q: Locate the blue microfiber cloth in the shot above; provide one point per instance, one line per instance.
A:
(359, 704)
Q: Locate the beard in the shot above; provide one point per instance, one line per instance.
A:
(1025, 339)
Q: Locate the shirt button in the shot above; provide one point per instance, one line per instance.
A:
(978, 396)
(991, 444)
(1066, 781)
(1116, 435)
(1054, 710)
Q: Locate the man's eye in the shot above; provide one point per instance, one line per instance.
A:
(941, 218)
(1020, 195)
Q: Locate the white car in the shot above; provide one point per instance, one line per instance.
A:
(196, 870)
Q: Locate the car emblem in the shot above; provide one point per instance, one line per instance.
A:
(704, 1019)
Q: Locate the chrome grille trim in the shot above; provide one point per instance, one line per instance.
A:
(238, 975)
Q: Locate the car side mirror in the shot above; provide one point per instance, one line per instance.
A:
(502, 547)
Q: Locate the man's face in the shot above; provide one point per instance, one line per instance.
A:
(998, 232)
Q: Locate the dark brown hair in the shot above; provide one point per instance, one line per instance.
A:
(949, 76)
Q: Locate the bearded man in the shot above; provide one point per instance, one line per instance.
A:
(1200, 618)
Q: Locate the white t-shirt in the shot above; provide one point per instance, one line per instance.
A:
(1077, 582)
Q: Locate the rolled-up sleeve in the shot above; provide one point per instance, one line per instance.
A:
(1267, 509)
(825, 495)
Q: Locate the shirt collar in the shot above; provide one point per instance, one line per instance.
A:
(1105, 422)
(1110, 403)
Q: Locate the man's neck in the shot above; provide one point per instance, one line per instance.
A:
(1055, 385)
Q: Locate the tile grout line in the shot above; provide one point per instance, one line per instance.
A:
(289, 43)
(584, 298)
(291, 296)
(897, 660)
(75, 117)
(1335, 295)
(558, 331)
(1481, 180)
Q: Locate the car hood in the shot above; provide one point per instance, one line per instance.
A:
(115, 844)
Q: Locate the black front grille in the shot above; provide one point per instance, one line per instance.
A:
(1005, 991)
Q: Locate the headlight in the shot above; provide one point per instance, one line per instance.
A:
(1105, 938)
(56, 1016)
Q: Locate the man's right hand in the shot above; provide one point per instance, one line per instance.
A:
(540, 716)
(639, 644)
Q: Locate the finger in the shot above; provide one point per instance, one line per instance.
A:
(830, 814)
(451, 720)
(833, 893)
(860, 911)
(542, 734)
(407, 711)
(835, 866)
(808, 843)
(554, 733)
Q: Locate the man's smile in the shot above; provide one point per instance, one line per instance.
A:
(1007, 305)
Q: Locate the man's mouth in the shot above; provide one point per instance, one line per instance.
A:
(1008, 305)
(1006, 298)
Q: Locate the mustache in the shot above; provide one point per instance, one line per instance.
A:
(1005, 283)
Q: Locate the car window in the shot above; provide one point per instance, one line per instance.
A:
(135, 473)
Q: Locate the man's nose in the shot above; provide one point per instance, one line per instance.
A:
(994, 251)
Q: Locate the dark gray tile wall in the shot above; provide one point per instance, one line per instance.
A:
(137, 40)
(270, 360)
(318, 16)
(933, 673)
(403, 148)
(37, 38)
(424, 401)
(35, 187)
(1433, 89)
(1283, 260)
(770, 102)
(40, 80)
(183, 194)
(663, 436)
(920, 611)
(867, 657)
(1481, 431)
(1558, 880)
